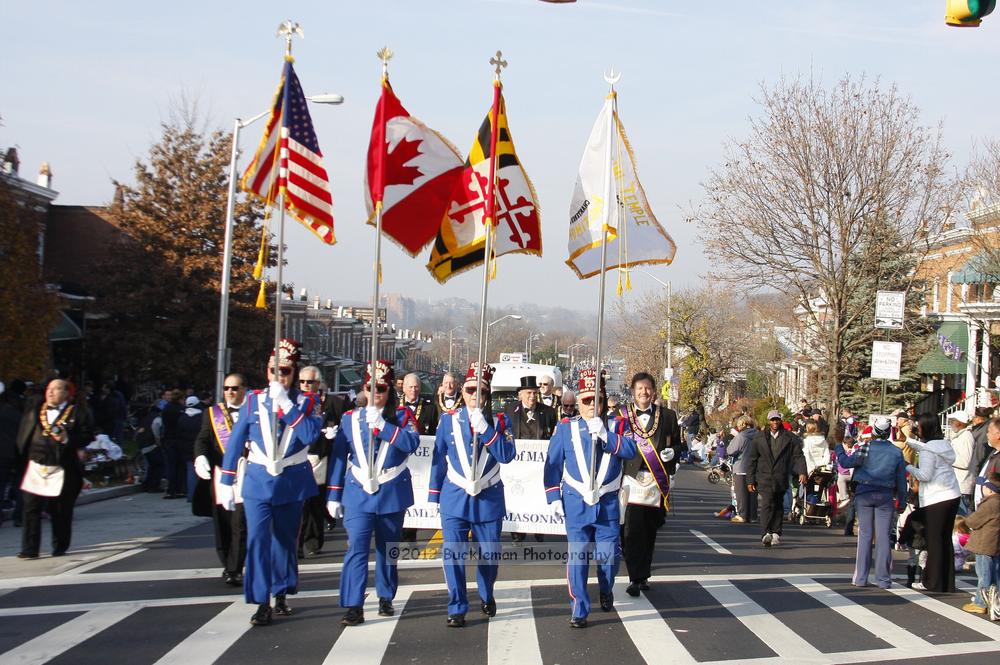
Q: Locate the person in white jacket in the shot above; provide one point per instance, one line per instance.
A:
(815, 448)
(964, 445)
(939, 497)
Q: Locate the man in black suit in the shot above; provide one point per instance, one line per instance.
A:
(209, 446)
(52, 436)
(646, 511)
(776, 454)
(424, 410)
(312, 535)
(529, 419)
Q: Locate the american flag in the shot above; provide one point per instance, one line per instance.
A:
(288, 161)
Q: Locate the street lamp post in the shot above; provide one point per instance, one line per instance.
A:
(222, 355)
(527, 345)
(516, 317)
(449, 345)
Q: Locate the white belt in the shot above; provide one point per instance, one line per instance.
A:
(380, 479)
(592, 497)
(474, 488)
(275, 467)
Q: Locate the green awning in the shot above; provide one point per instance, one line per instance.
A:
(65, 330)
(950, 352)
(976, 271)
(349, 378)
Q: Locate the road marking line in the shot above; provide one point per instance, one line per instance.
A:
(90, 565)
(361, 645)
(881, 628)
(977, 624)
(64, 637)
(433, 547)
(513, 635)
(652, 635)
(711, 543)
(768, 628)
(210, 641)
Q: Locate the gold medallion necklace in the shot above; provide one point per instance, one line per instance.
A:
(633, 419)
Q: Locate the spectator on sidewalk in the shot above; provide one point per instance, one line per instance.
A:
(984, 542)
(992, 461)
(173, 462)
(10, 420)
(964, 445)
(149, 436)
(188, 426)
(738, 452)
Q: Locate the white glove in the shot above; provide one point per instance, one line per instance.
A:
(335, 509)
(202, 468)
(373, 416)
(558, 510)
(477, 420)
(226, 497)
(667, 454)
(330, 432)
(597, 429)
(279, 396)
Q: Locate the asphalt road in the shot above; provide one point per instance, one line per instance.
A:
(144, 587)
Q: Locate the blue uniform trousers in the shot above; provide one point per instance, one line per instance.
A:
(272, 566)
(607, 556)
(456, 535)
(354, 576)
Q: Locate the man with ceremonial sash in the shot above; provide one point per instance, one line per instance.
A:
(647, 476)
(370, 488)
(277, 480)
(52, 437)
(470, 494)
(589, 501)
(209, 447)
(449, 398)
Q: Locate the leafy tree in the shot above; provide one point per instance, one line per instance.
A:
(162, 291)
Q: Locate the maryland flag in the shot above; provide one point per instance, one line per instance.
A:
(461, 239)
(412, 170)
(608, 194)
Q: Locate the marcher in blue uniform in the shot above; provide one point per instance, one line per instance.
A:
(278, 478)
(471, 498)
(372, 494)
(591, 509)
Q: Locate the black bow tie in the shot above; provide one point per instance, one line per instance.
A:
(644, 412)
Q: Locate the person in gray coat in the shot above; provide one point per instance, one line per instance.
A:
(738, 452)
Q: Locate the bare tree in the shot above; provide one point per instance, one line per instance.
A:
(983, 179)
(829, 191)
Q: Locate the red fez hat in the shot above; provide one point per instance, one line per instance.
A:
(288, 351)
(587, 385)
(472, 376)
(384, 374)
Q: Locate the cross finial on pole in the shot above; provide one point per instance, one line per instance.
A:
(499, 63)
(289, 29)
(385, 55)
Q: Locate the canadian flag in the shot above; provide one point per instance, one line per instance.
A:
(412, 170)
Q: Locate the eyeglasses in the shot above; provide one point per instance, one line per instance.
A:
(379, 389)
(283, 370)
(231, 389)
(544, 385)
(309, 381)
(472, 391)
(586, 401)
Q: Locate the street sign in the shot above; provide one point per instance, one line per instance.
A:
(513, 357)
(889, 306)
(886, 359)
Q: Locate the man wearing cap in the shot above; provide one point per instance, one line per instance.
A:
(964, 445)
(209, 447)
(546, 395)
(470, 492)
(370, 488)
(189, 424)
(776, 454)
(277, 479)
(647, 477)
(587, 497)
(528, 418)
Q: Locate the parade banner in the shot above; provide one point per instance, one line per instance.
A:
(524, 491)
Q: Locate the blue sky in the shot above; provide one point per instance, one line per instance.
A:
(87, 85)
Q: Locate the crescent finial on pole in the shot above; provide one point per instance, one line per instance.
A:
(289, 29)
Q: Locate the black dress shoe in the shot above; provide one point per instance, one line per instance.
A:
(632, 589)
(607, 601)
(354, 616)
(27, 555)
(456, 621)
(281, 608)
(385, 608)
(262, 616)
(58, 552)
(578, 623)
(232, 579)
(643, 586)
(489, 607)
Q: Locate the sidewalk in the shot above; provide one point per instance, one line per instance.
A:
(102, 527)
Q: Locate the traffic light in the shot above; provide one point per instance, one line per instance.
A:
(967, 13)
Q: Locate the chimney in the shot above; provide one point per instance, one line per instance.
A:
(315, 302)
(329, 303)
(45, 176)
(304, 294)
(11, 163)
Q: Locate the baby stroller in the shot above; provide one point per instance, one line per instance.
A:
(719, 472)
(813, 500)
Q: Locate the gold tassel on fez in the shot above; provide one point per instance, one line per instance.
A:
(262, 296)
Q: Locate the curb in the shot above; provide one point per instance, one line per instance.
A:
(93, 496)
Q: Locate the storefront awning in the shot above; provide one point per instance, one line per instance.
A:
(976, 271)
(949, 354)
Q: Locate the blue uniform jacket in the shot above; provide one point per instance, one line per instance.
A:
(294, 483)
(395, 495)
(497, 443)
(562, 460)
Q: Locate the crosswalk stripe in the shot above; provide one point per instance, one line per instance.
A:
(708, 541)
(366, 644)
(650, 634)
(777, 636)
(513, 636)
(881, 628)
(62, 638)
(209, 642)
(980, 626)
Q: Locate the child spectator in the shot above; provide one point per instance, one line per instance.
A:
(959, 537)
(911, 528)
(984, 542)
